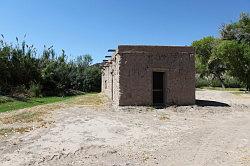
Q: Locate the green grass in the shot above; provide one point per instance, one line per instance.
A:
(12, 104)
(5, 99)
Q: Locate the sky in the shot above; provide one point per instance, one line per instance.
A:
(94, 26)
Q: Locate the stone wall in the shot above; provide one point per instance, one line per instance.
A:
(133, 73)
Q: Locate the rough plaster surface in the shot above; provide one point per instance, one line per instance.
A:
(210, 134)
(132, 68)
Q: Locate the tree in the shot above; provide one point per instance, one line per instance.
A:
(22, 70)
(206, 62)
(18, 66)
(203, 50)
(236, 57)
(217, 67)
(84, 60)
(92, 79)
(247, 65)
(239, 30)
(228, 55)
(56, 76)
(237, 51)
(5, 73)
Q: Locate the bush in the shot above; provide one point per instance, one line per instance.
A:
(72, 92)
(213, 82)
(25, 74)
(35, 90)
(20, 93)
(232, 82)
(92, 79)
(201, 82)
(5, 99)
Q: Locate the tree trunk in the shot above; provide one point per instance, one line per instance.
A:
(248, 80)
(221, 81)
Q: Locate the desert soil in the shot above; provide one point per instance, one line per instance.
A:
(210, 133)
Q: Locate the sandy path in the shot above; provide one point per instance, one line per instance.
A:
(192, 135)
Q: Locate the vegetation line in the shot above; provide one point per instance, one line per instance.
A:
(24, 73)
(225, 61)
(17, 104)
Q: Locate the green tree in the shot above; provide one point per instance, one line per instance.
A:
(203, 50)
(84, 61)
(18, 66)
(206, 63)
(21, 69)
(92, 79)
(55, 76)
(239, 30)
(217, 67)
(236, 57)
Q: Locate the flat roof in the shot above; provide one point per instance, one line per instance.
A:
(154, 48)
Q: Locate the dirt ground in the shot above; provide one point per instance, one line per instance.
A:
(214, 132)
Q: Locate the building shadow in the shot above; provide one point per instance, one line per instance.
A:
(204, 103)
(159, 106)
(200, 103)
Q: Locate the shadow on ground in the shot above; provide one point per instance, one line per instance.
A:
(201, 103)
(204, 103)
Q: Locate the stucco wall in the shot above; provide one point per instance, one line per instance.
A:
(110, 73)
(134, 70)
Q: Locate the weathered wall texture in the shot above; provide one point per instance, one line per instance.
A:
(110, 79)
(133, 68)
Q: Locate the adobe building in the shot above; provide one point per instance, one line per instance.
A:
(150, 75)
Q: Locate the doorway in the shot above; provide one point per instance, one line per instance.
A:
(158, 86)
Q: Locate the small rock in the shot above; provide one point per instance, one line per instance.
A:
(113, 151)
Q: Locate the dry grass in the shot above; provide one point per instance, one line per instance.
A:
(242, 94)
(9, 131)
(92, 99)
(23, 117)
(26, 119)
(245, 160)
(37, 113)
(164, 117)
(34, 114)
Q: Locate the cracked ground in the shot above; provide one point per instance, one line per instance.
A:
(214, 132)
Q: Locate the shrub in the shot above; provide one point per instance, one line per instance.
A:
(25, 74)
(35, 90)
(213, 82)
(5, 99)
(92, 79)
(20, 93)
(232, 82)
(201, 82)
